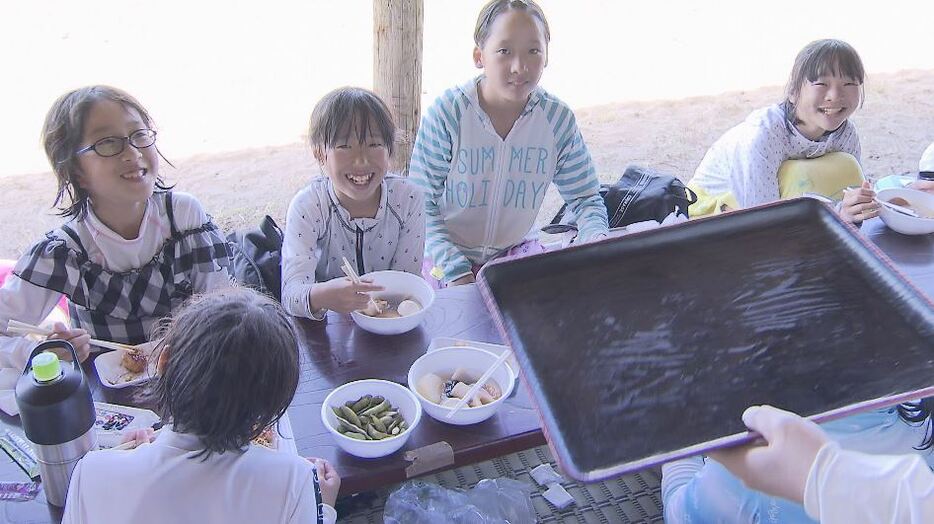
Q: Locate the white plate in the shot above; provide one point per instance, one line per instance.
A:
(113, 375)
(496, 349)
(133, 419)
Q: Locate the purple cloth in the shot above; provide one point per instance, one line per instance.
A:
(529, 247)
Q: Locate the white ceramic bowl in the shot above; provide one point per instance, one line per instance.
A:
(399, 286)
(921, 202)
(476, 361)
(401, 399)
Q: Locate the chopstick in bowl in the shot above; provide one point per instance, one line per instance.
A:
(348, 270)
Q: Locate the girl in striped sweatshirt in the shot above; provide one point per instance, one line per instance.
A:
(486, 151)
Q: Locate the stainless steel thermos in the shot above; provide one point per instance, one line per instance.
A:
(57, 412)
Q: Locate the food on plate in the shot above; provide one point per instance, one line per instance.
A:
(267, 438)
(134, 361)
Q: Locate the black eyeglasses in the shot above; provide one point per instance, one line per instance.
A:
(114, 145)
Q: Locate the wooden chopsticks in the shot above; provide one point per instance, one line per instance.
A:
(16, 327)
(348, 270)
(479, 383)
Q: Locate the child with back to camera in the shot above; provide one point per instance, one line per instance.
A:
(486, 152)
(130, 251)
(805, 144)
(228, 369)
(356, 211)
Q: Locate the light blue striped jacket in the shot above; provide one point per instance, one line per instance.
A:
(483, 193)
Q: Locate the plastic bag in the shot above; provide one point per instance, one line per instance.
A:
(491, 501)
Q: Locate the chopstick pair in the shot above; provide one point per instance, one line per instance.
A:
(16, 327)
(479, 384)
(348, 270)
(897, 208)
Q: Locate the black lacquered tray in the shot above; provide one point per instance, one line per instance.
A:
(646, 348)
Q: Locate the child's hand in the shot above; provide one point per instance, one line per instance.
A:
(328, 480)
(139, 437)
(781, 466)
(78, 338)
(342, 295)
(859, 204)
(466, 279)
(923, 185)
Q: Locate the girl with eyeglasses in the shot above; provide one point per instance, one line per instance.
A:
(130, 250)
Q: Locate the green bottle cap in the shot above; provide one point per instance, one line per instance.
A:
(46, 366)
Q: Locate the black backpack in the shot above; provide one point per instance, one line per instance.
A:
(256, 258)
(640, 194)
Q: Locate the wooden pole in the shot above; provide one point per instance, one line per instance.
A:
(397, 69)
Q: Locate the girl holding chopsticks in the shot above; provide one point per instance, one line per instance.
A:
(356, 212)
(130, 250)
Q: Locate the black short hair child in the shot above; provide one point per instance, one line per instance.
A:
(231, 368)
(348, 110)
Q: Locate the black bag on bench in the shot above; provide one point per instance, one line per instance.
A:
(256, 256)
(640, 194)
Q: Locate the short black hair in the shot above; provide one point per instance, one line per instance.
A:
(348, 109)
(232, 368)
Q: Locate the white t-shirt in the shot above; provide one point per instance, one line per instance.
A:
(745, 160)
(161, 482)
(848, 487)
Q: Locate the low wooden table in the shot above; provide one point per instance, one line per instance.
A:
(336, 351)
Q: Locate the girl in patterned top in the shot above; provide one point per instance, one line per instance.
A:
(130, 251)
(805, 144)
(356, 212)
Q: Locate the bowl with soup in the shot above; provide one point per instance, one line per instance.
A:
(399, 307)
(911, 201)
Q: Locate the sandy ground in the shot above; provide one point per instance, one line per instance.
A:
(238, 188)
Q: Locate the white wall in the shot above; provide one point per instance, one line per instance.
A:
(226, 75)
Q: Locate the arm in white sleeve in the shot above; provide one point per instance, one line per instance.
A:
(73, 513)
(410, 248)
(851, 487)
(25, 302)
(431, 161)
(754, 169)
(299, 255)
(306, 511)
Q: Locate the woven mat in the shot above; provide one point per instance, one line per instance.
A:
(632, 498)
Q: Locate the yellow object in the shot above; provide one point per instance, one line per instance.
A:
(827, 175)
(46, 366)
